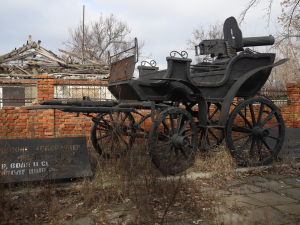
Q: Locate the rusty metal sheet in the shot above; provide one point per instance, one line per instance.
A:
(122, 70)
(43, 159)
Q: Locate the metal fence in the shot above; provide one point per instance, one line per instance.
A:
(76, 91)
(17, 93)
(279, 97)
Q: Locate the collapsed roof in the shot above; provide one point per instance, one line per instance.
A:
(32, 59)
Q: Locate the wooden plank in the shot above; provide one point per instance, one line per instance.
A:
(22, 70)
(17, 57)
(18, 51)
(70, 54)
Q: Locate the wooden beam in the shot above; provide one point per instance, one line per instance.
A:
(22, 70)
(17, 57)
(18, 51)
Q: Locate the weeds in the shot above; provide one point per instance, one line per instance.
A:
(127, 189)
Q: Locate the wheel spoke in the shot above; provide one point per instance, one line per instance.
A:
(187, 135)
(245, 119)
(252, 147)
(213, 113)
(215, 137)
(164, 135)
(164, 144)
(244, 146)
(164, 153)
(237, 128)
(183, 152)
(184, 126)
(106, 143)
(170, 157)
(252, 114)
(275, 138)
(266, 144)
(120, 137)
(178, 123)
(261, 110)
(274, 125)
(123, 120)
(106, 135)
(270, 116)
(172, 123)
(238, 138)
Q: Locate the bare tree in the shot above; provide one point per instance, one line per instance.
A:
(102, 35)
(212, 31)
(290, 12)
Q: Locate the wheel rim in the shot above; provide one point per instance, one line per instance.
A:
(255, 132)
(110, 133)
(173, 140)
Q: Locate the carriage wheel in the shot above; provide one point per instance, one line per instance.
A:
(255, 132)
(173, 140)
(110, 133)
(214, 136)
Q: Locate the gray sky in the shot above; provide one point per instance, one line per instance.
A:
(164, 25)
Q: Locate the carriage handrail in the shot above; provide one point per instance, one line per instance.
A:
(136, 53)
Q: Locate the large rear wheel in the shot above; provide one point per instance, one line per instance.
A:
(255, 132)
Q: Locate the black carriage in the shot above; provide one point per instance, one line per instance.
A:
(191, 106)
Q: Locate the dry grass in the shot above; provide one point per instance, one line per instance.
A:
(129, 185)
(131, 181)
(219, 161)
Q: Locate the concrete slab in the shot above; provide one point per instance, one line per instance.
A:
(271, 198)
(294, 181)
(242, 202)
(207, 189)
(233, 219)
(246, 189)
(274, 176)
(273, 185)
(221, 193)
(82, 221)
(220, 209)
(254, 179)
(267, 215)
(293, 208)
(235, 182)
(292, 193)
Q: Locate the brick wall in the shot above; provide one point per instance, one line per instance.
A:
(17, 122)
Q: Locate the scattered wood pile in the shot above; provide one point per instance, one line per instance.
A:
(32, 59)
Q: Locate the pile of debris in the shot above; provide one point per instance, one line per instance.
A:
(32, 59)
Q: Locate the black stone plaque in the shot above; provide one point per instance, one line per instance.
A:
(43, 159)
(291, 144)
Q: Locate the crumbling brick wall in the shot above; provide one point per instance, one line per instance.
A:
(17, 122)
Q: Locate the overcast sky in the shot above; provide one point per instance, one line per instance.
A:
(164, 25)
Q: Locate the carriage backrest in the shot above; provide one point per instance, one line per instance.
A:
(122, 69)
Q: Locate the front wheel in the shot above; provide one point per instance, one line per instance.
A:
(255, 132)
(173, 140)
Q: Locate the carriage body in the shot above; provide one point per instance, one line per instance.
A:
(214, 80)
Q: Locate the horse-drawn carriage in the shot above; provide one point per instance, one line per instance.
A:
(191, 106)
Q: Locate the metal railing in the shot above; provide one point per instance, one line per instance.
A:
(17, 93)
(279, 97)
(76, 90)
